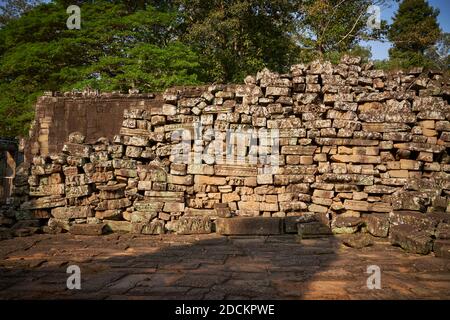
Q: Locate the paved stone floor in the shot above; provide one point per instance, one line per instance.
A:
(213, 267)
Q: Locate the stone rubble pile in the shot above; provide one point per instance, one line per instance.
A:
(326, 148)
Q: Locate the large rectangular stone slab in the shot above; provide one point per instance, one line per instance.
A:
(72, 212)
(154, 227)
(377, 224)
(236, 170)
(315, 229)
(78, 191)
(385, 127)
(411, 239)
(249, 226)
(291, 222)
(415, 146)
(47, 190)
(357, 179)
(358, 205)
(77, 150)
(44, 203)
(417, 220)
(113, 204)
(164, 196)
(356, 159)
(345, 142)
(298, 150)
(192, 212)
(148, 206)
(193, 225)
(87, 229)
(117, 226)
(208, 180)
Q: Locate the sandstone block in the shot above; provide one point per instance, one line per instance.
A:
(72, 212)
(88, 229)
(410, 239)
(249, 226)
(193, 225)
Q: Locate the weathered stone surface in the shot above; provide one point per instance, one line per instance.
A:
(298, 150)
(72, 212)
(78, 191)
(76, 137)
(417, 220)
(358, 241)
(362, 180)
(441, 248)
(154, 227)
(113, 204)
(207, 180)
(425, 147)
(118, 226)
(109, 214)
(410, 239)
(87, 229)
(291, 222)
(77, 150)
(443, 231)
(366, 206)
(148, 206)
(44, 203)
(377, 224)
(356, 159)
(142, 216)
(236, 170)
(380, 189)
(193, 225)
(313, 230)
(173, 207)
(345, 225)
(210, 213)
(343, 142)
(201, 169)
(58, 225)
(249, 226)
(164, 196)
(115, 191)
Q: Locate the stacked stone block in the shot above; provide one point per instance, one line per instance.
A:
(341, 146)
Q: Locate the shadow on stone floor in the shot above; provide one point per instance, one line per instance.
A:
(206, 267)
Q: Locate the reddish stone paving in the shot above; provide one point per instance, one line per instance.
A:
(213, 267)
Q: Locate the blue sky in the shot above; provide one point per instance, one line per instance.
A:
(380, 49)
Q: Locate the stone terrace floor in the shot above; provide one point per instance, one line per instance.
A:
(213, 267)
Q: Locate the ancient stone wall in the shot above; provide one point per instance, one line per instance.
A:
(325, 149)
(94, 115)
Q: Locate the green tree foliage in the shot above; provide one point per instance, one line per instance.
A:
(414, 30)
(238, 37)
(330, 28)
(119, 46)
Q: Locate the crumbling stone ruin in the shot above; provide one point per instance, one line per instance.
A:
(325, 149)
